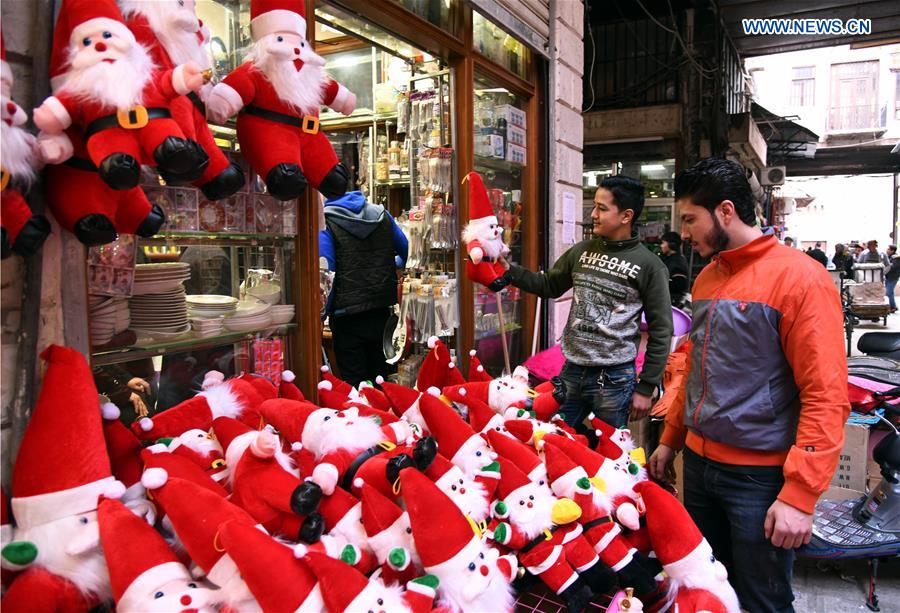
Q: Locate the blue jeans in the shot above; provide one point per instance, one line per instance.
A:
(729, 507)
(604, 390)
(890, 286)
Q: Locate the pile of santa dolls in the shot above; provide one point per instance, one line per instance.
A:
(248, 497)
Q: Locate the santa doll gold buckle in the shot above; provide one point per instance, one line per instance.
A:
(4, 178)
(310, 124)
(134, 118)
(217, 463)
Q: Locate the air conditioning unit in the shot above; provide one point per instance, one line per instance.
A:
(772, 175)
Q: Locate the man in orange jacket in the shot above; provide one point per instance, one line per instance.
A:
(763, 410)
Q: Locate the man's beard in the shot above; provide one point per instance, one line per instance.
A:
(717, 238)
(303, 89)
(119, 84)
(17, 154)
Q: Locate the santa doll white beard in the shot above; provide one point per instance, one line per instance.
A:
(301, 89)
(388, 597)
(535, 520)
(706, 579)
(237, 595)
(200, 442)
(491, 245)
(363, 434)
(395, 536)
(119, 84)
(175, 27)
(473, 503)
(618, 482)
(87, 571)
(458, 589)
(501, 397)
(17, 153)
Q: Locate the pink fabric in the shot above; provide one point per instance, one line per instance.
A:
(546, 364)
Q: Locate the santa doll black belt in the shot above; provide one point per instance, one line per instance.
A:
(546, 535)
(606, 519)
(198, 103)
(350, 475)
(131, 119)
(307, 123)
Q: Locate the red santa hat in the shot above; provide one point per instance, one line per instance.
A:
(544, 406)
(278, 580)
(609, 449)
(263, 386)
(335, 507)
(196, 515)
(433, 372)
(518, 453)
(377, 399)
(332, 399)
(233, 398)
(582, 455)
(476, 369)
(480, 209)
(62, 468)
(481, 416)
(288, 416)
(123, 447)
(664, 514)
(330, 382)
(228, 430)
(511, 478)
(271, 16)
(454, 376)
(440, 530)
(562, 470)
(445, 424)
(160, 465)
(479, 390)
(439, 467)
(401, 397)
(522, 429)
(6, 75)
(138, 558)
(378, 512)
(287, 389)
(339, 582)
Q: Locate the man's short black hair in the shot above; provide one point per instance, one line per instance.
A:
(627, 193)
(674, 240)
(708, 182)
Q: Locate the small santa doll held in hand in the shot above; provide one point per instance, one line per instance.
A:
(280, 89)
(483, 237)
(114, 94)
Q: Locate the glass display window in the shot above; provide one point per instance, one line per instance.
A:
(441, 13)
(501, 48)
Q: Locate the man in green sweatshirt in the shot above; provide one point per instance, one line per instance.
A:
(615, 279)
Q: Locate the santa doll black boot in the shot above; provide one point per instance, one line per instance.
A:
(224, 184)
(423, 455)
(306, 498)
(577, 596)
(180, 160)
(155, 220)
(335, 182)
(286, 181)
(312, 528)
(120, 171)
(95, 229)
(599, 577)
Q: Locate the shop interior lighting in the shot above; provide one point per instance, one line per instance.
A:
(652, 167)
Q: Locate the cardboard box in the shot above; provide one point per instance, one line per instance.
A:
(515, 135)
(515, 154)
(489, 145)
(512, 115)
(854, 459)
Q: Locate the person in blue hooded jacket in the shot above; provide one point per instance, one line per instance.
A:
(364, 247)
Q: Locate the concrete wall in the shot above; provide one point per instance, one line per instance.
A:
(566, 135)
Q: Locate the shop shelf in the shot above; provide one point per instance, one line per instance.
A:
(510, 327)
(206, 238)
(393, 183)
(496, 164)
(185, 343)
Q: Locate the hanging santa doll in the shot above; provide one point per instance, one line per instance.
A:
(279, 90)
(483, 237)
(22, 232)
(173, 35)
(118, 100)
(61, 471)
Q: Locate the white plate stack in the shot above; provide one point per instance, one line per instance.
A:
(212, 306)
(163, 314)
(160, 278)
(249, 315)
(107, 317)
(205, 327)
(281, 314)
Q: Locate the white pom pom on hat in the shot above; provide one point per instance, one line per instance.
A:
(154, 478)
(110, 411)
(434, 391)
(300, 550)
(379, 379)
(432, 342)
(324, 369)
(480, 369)
(146, 424)
(358, 483)
(472, 352)
(451, 365)
(296, 446)
(324, 385)
(115, 490)
(463, 391)
(288, 376)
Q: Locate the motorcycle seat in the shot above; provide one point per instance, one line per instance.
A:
(879, 342)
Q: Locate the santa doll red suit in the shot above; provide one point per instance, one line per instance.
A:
(278, 580)
(279, 90)
(544, 532)
(473, 577)
(144, 573)
(197, 516)
(117, 99)
(697, 581)
(173, 35)
(161, 464)
(232, 398)
(390, 537)
(60, 473)
(346, 589)
(266, 484)
(22, 232)
(483, 237)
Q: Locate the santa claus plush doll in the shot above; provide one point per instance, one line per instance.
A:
(390, 537)
(61, 471)
(483, 237)
(698, 582)
(500, 393)
(456, 440)
(544, 530)
(279, 90)
(473, 577)
(118, 100)
(144, 573)
(266, 484)
(201, 448)
(22, 232)
(173, 35)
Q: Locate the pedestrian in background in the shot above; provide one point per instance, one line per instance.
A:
(677, 266)
(842, 260)
(891, 276)
(818, 255)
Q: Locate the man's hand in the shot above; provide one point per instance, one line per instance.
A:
(659, 462)
(504, 262)
(640, 405)
(788, 526)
